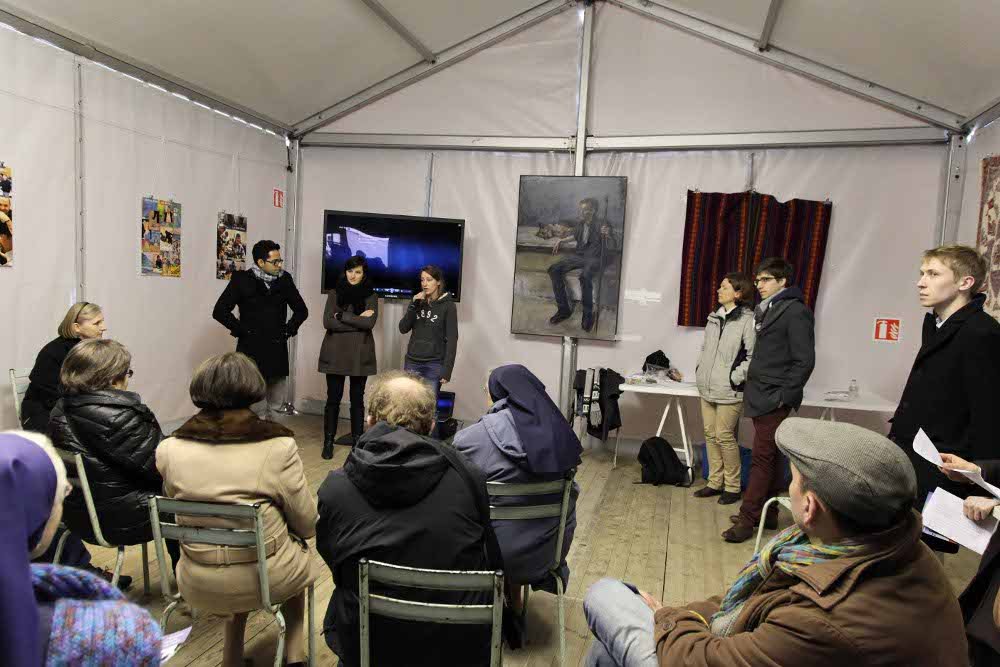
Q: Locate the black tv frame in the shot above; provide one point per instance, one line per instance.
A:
(456, 296)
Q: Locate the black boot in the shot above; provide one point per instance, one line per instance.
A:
(357, 422)
(330, 416)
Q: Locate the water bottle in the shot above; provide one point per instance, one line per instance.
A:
(852, 389)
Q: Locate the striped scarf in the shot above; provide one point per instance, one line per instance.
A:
(265, 276)
(790, 551)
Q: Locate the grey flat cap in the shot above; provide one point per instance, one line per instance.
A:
(860, 473)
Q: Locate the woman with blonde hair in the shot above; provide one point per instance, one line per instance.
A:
(82, 321)
(225, 453)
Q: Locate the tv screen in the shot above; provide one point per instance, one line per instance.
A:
(396, 248)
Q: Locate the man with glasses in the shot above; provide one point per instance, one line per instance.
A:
(783, 360)
(264, 294)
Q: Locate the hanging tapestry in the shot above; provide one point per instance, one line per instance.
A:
(989, 231)
(734, 232)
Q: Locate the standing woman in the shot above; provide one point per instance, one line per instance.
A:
(721, 375)
(434, 322)
(349, 348)
(82, 321)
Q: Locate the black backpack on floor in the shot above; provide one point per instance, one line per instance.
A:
(661, 465)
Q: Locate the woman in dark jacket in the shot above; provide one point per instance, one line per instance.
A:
(82, 321)
(348, 349)
(116, 434)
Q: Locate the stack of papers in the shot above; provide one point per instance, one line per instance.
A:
(171, 643)
(922, 445)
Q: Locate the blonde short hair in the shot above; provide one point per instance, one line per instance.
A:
(93, 365)
(227, 381)
(963, 261)
(402, 399)
(81, 310)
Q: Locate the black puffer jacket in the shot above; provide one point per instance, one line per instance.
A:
(117, 436)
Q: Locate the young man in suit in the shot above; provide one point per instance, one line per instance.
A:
(783, 360)
(951, 391)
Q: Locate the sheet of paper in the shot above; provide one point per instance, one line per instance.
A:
(978, 479)
(922, 445)
(943, 513)
(172, 643)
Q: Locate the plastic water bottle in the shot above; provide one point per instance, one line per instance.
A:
(852, 389)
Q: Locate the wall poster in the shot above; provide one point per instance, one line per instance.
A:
(161, 238)
(230, 245)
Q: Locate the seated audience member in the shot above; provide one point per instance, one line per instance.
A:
(980, 601)
(53, 614)
(399, 500)
(116, 434)
(522, 439)
(83, 321)
(849, 584)
(227, 454)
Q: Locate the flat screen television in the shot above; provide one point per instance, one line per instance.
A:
(396, 247)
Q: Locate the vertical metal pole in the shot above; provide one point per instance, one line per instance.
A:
(567, 367)
(750, 173)
(951, 207)
(293, 225)
(79, 282)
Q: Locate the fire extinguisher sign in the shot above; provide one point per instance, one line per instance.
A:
(887, 329)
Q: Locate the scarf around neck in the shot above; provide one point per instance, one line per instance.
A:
(263, 275)
(789, 551)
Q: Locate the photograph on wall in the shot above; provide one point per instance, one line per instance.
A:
(230, 245)
(161, 238)
(568, 256)
(989, 231)
(6, 215)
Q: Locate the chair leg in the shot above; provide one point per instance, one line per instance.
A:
(279, 655)
(562, 622)
(118, 566)
(311, 619)
(145, 570)
(165, 618)
(760, 526)
(524, 601)
(59, 546)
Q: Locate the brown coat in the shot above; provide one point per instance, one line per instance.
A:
(891, 605)
(349, 346)
(232, 456)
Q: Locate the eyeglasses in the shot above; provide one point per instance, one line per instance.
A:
(129, 373)
(276, 262)
(764, 279)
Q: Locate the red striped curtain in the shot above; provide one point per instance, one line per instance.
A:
(734, 232)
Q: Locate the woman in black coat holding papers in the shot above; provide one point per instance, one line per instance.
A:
(349, 348)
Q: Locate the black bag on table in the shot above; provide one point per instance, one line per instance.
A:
(661, 465)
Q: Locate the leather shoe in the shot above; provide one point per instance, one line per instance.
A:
(707, 492)
(770, 522)
(728, 498)
(740, 532)
(560, 316)
(327, 451)
(588, 322)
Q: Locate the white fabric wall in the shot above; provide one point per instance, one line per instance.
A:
(137, 141)
(985, 143)
(37, 117)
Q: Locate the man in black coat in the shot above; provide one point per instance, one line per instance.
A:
(951, 391)
(399, 500)
(783, 360)
(264, 293)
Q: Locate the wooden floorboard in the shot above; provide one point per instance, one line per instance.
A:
(661, 539)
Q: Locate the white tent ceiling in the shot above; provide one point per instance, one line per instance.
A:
(288, 61)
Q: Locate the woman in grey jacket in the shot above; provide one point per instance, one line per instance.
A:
(348, 349)
(721, 375)
(433, 320)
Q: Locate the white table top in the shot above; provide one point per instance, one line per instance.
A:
(814, 398)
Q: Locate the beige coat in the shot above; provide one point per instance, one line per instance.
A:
(232, 456)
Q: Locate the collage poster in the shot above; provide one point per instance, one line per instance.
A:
(988, 236)
(6, 215)
(161, 238)
(230, 245)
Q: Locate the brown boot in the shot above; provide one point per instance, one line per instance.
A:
(740, 532)
(770, 521)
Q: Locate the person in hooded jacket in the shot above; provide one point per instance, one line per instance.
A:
(348, 348)
(783, 359)
(399, 500)
(432, 318)
(524, 439)
(116, 434)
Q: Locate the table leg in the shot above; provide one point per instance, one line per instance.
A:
(663, 419)
(618, 441)
(833, 415)
(688, 456)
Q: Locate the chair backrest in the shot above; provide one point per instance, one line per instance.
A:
(195, 533)
(18, 386)
(76, 475)
(435, 580)
(534, 511)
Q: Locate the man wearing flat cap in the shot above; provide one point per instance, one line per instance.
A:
(850, 583)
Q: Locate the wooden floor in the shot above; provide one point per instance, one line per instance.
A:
(659, 538)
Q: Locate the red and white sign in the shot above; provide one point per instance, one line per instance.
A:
(887, 330)
(279, 198)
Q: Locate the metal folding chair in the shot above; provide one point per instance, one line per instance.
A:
(437, 580)
(18, 386)
(231, 537)
(519, 512)
(76, 473)
(781, 500)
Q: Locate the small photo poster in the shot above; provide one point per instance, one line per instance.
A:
(6, 215)
(161, 238)
(230, 245)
